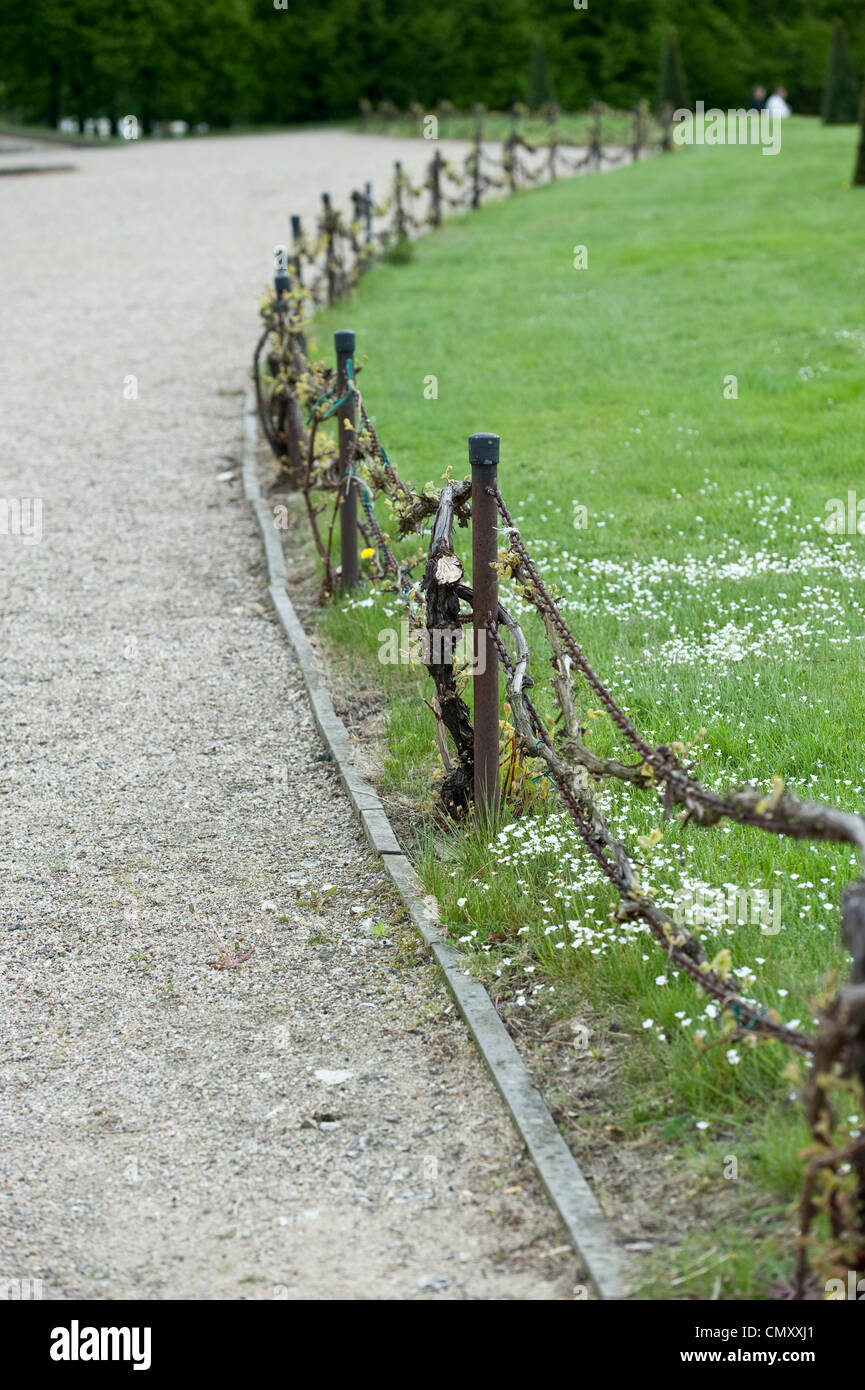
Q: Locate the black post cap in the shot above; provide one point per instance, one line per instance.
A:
(325, 198)
(343, 340)
(484, 448)
(295, 226)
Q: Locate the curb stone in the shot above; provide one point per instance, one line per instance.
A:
(585, 1223)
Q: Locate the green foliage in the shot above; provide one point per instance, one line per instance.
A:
(401, 252)
(841, 93)
(234, 62)
(540, 87)
(672, 87)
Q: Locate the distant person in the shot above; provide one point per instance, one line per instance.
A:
(777, 103)
(758, 99)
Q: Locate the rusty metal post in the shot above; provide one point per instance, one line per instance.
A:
(484, 460)
(343, 342)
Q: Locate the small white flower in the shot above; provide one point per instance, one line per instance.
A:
(733, 1056)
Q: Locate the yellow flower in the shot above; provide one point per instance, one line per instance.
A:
(367, 554)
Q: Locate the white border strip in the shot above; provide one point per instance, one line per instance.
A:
(585, 1223)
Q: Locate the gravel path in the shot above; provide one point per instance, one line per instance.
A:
(315, 1123)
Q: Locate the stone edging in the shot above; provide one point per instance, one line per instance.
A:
(585, 1223)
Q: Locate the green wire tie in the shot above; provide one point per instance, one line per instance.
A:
(754, 1021)
(316, 404)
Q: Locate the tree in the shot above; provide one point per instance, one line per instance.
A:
(859, 167)
(540, 86)
(841, 89)
(672, 87)
(230, 61)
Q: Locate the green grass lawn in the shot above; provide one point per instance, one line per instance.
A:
(705, 588)
(617, 127)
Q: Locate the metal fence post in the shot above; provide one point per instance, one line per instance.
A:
(435, 190)
(368, 215)
(478, 146)
(343, 342)
(398, 209)
(638, 132)
(297, 237)
(509, 152)
(281, 280)
(330, 263)
(596, 146)
(484, 459)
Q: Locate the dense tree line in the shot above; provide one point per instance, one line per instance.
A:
(230, 61)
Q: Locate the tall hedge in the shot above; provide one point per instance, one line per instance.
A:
(279, 61)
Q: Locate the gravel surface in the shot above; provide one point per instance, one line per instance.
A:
(314, 1123)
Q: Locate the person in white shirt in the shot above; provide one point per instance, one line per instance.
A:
(777, 103)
